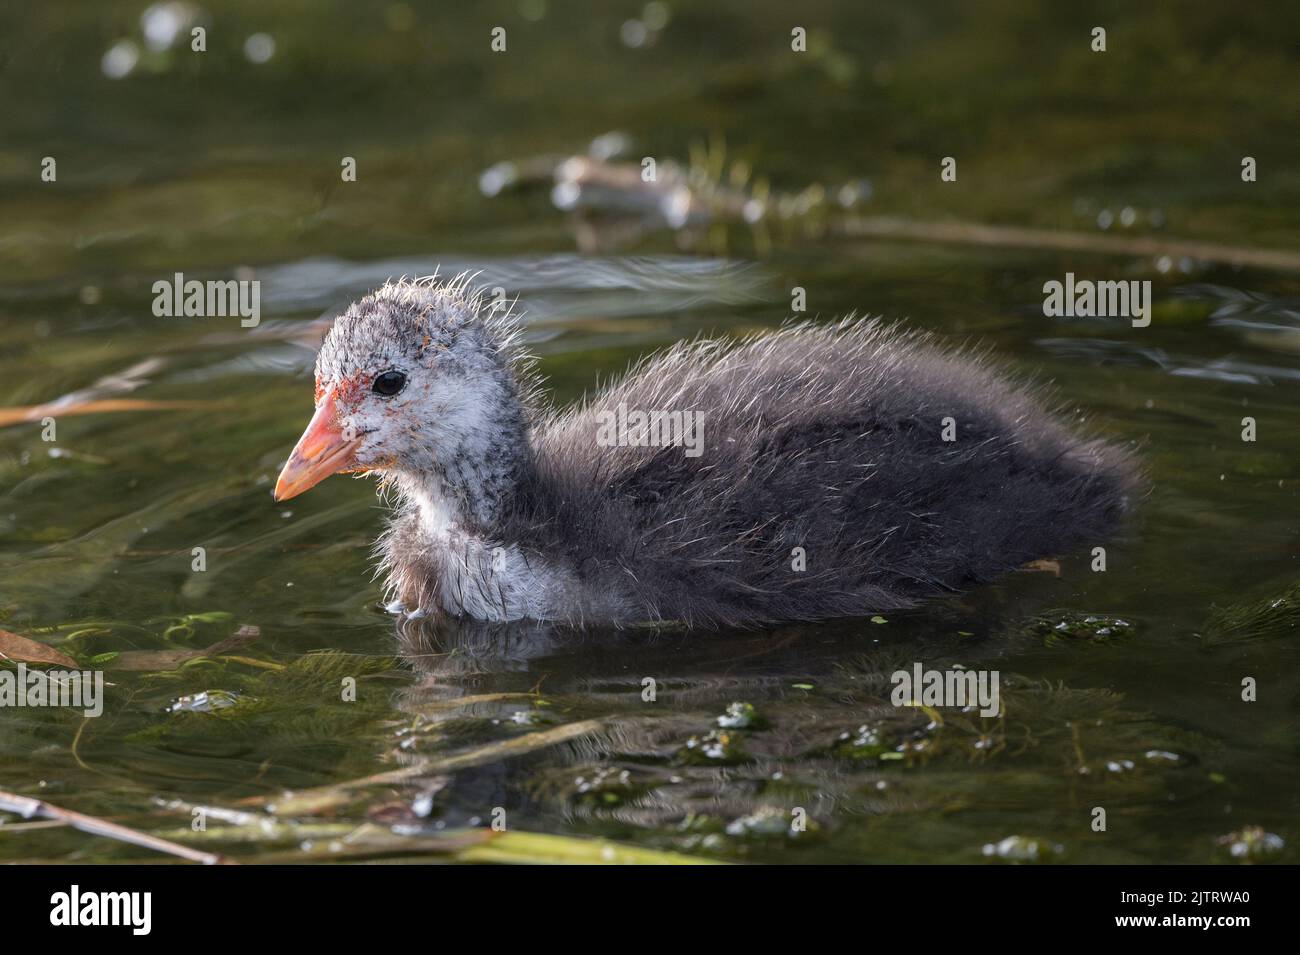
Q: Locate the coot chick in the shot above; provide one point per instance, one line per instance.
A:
(833, 470)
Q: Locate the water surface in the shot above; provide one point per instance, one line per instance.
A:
(218, 167)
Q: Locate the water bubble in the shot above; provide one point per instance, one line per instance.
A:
(495, 178)
(259, 48)
(633, 33)
(571, 168)
(764, 821)
(656, 15)
(205, 702)
(676, 208)
(1105, 219)
(1163, 756)
(1127, 216)
(565, 195)
(1252, 842)
(120, 59)
(609, 146)
(852, 193)
(162, 23)
(1022, 849)
(740, 715)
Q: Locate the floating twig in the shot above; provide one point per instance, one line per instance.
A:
(973, 233)
(30, 808)
(56, 409)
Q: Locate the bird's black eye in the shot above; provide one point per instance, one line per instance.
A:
(389, 383)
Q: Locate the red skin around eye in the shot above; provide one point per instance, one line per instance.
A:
(347, 392)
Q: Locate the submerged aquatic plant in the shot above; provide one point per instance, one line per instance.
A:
(714, 747)
(1061, 627)
(741, 716)
(1268, 619)
(1023, 849)
(1252, 844)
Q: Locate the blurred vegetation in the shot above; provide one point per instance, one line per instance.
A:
(206, 159)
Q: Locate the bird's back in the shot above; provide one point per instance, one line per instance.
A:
(824, 484)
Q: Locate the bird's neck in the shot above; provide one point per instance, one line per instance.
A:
(471, 487)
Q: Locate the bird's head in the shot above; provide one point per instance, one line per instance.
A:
(414, 379)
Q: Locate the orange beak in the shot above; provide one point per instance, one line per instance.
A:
(322, 450)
